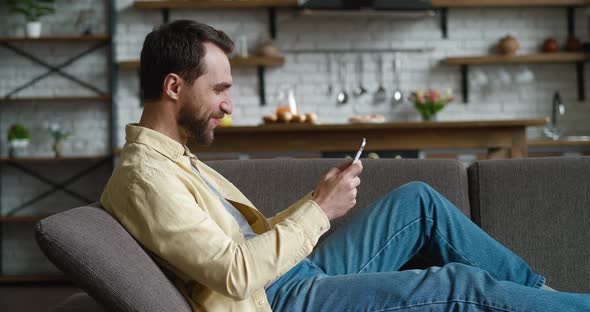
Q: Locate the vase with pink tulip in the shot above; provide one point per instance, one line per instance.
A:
(429, 102)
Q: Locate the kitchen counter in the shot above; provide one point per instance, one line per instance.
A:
(567, 141)
(501, 138)
(566, 146)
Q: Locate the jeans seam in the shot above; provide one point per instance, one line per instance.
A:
(446, 241)
(444, 302)
(387, 244)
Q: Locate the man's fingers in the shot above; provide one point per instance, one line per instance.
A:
(354, 169)
(332, 172)
(356, 181)
(345, 165)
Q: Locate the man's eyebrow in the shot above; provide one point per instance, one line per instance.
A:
(222, 85)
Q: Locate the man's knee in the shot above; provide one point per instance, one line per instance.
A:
(414, 187)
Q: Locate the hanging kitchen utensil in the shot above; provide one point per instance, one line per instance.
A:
(342, 96)
(359, 67)
(380, 95)
(398, 95)
(330, 89)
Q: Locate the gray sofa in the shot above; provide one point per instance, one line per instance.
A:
(540, 208)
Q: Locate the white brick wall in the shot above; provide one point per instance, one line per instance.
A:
(471, 32)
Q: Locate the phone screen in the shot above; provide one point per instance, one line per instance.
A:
(360, 151)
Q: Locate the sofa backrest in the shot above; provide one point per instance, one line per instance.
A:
(540, 209)
(98, 254)
(273, 185)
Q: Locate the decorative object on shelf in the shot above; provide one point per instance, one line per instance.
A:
(550, 45)
(18, 140)
(524, 75)
(242, 46)
(286, 117)
(85, 21)
(32, 10)
(287, 107)
(373, 118)
(508, 45)
(268, 48)
(58, 135)
(573, 44)
(430, 102)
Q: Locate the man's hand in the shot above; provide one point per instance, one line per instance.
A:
(336, 191)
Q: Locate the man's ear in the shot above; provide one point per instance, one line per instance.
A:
(172, 85)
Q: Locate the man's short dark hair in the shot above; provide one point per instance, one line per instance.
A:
(177, 47)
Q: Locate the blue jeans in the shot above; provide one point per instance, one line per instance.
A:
(356, 268)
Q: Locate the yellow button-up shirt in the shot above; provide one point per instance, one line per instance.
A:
(168, 208)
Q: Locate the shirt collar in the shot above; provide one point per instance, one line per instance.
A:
(160, 142)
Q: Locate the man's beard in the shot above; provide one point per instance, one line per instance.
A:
(195, 128)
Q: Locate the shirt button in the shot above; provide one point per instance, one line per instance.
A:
(260, 302)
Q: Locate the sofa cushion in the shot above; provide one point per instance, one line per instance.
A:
(273, 185)
(539, 208)
(96, 252)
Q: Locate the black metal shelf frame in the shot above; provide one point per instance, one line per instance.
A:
(54, 68)
(112, 83)
(55, 187)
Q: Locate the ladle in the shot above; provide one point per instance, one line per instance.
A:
(398, 95)
(342, 96)
(380, 95)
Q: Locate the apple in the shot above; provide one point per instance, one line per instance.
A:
(225, 121)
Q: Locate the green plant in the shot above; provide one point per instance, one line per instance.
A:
(18, 132)
(32, 10)
(56, 131)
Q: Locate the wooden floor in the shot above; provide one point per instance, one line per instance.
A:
(29, 298)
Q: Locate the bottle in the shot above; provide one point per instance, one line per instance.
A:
(291, 101)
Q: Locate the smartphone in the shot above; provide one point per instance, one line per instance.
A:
(358, 154)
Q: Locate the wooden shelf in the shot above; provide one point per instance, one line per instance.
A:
(235, 61)
(547, 58)
(57, 99)
(58, 38)
(215, 4)
(53, 159)
(128, 65)
(559, 57)
(13, 279)
(22, 219)
(507, 3)
(257, 61)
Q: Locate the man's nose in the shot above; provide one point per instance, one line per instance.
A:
(227, 107)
